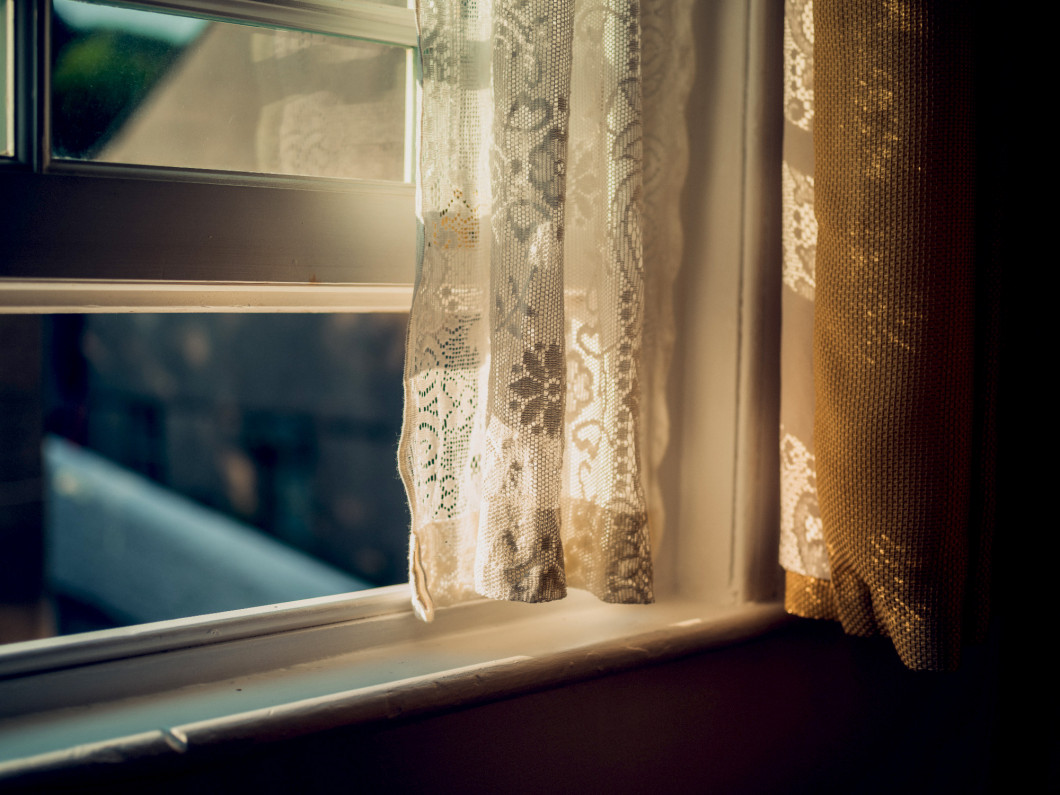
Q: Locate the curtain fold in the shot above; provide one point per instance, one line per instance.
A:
(904, 335)
(523, 450)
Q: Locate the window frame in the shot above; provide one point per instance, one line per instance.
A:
(718, 575)
(77, 233)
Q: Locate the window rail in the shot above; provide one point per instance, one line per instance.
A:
(76, 228)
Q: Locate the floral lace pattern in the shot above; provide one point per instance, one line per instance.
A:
(799, 231)
(798, 63)
(328, 131)
(802, 547)
(521, 450)
(538, 395)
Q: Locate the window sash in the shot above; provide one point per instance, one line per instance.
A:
(69, 228)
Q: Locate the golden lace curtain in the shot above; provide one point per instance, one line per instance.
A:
(532, 410)
(888, 493)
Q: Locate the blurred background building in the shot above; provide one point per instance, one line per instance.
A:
(144, 452)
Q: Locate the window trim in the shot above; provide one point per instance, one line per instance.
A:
(88, 648)
(384, 665)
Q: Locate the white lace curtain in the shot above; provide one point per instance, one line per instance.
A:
(532, 416)
(802, 546)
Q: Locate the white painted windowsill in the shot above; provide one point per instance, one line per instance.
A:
(181, 686)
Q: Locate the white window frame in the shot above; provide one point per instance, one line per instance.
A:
(277, 671)
(107, 237)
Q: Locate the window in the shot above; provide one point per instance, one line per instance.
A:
(193, 463)
(304, 667)
(107, 206)
(144, 115)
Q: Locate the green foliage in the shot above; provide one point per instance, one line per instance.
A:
(98, 80)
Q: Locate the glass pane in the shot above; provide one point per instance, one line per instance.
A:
(146, 88)
(7, 93)
(162, 466)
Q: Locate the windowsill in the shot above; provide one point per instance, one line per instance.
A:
(219, 684)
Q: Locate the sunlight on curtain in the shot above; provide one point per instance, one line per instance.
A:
(526, 445)
(886, 286)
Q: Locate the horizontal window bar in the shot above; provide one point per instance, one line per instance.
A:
(51, 296)
(73, 228)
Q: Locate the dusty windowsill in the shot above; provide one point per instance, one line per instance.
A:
(292, 681)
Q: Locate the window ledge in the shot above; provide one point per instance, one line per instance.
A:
(222, 686)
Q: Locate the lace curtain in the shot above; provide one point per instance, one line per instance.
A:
(533, 416)
(802, 547)
(890, 327)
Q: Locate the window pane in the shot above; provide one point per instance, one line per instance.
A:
(162, 466)
(146, 88)
(7, 93)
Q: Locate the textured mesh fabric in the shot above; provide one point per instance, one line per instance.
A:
(522, 450)
(901, 394)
